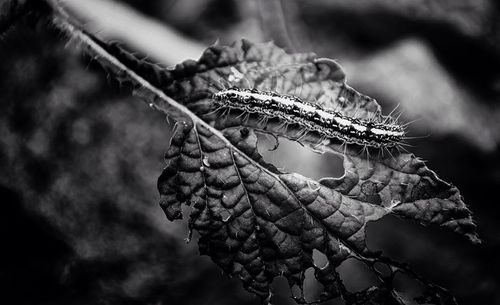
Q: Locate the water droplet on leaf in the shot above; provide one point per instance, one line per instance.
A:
(225, 216)
(189, 236)
(205, 161)
(394, 203)
(313, 185)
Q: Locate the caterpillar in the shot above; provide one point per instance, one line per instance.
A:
(328, 123)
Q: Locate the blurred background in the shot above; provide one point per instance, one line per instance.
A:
(79, 157)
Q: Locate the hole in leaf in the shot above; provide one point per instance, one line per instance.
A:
(407, 285)
(281, 291)
(320, 259)
(290, 156)
(312, 288)
(356, 275)
(383, 269)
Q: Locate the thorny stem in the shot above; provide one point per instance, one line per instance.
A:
(154, 97)
(151, 95)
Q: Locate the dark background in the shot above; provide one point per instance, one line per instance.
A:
(79, 157)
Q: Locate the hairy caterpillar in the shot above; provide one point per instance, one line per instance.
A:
(328, 123)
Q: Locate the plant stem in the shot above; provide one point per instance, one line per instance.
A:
(151, 95)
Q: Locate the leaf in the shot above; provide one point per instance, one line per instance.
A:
(255, 221)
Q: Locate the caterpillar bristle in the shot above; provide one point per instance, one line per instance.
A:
(342, 120)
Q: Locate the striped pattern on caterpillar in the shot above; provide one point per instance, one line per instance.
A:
(328, 123)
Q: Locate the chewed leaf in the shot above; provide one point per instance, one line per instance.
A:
(254, 222)
(401, 181)
(257, 222)
(406, 187)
